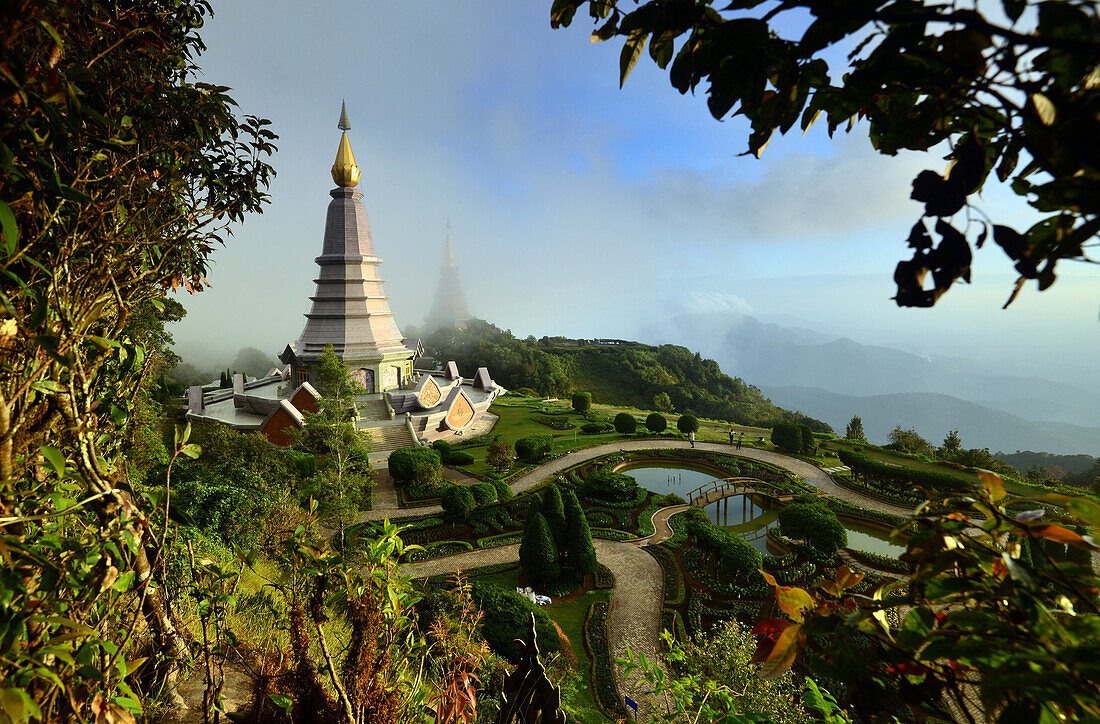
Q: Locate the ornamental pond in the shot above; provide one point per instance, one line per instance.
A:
(739, 513)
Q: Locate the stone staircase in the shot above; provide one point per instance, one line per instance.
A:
(372, 409)
(389, 437)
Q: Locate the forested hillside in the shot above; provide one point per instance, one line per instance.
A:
(616, 372)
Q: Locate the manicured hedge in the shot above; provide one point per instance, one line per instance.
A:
(611, 487)
(734, 555)
(437, 549)
(458, 458)
(594, 428)
(404, 462)
(503, 539)
(599, 653)
(533, 447)
(901, 478)
(625, 423)
(458, 501)
(484, 493)
(815, 524)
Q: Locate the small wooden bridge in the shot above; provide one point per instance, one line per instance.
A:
(717, 490)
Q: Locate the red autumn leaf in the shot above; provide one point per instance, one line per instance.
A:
(784, 652)
(1063, 535)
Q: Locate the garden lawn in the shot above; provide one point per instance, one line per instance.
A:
(570, 616)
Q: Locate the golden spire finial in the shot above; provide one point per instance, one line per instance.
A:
(345, 172)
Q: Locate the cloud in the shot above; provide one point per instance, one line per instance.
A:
(798, 194)
(707, 302)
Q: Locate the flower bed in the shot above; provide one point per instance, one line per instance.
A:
(441, 578)
(604, 578)
(599, 653)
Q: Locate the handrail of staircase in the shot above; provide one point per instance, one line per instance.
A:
(412, 433)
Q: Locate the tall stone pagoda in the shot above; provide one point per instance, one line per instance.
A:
(449, 307)
(350, 310)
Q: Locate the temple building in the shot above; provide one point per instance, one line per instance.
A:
(350, 310)
(449, 308)
(399, 406)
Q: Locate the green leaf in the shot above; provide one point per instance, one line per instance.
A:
(191, 450)
(54, 458)
(8, 228)
(282, 701)
(632, 50)
(1044, 108)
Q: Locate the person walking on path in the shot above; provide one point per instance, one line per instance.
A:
(731, 436)
(740, 440)
(691, 437)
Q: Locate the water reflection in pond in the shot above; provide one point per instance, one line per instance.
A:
(739, 514)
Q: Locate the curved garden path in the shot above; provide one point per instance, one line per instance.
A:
(637, 600)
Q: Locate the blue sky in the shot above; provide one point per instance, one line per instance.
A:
(576, 208)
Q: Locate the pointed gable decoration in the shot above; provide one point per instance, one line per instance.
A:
(460, 409)
(428, 393)
(451, 373)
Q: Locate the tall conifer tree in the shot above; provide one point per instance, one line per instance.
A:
(579, 555)
(554, 512)
(537, 553)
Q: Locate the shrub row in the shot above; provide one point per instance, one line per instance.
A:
(500, 540)
(437, 549)
(442, 578)
(612, 534)
(554, 422)
(879, 491)
(674, 579)
(604, 578)
(842, 506)
(866, 467)
(884, 563)
(599, 653)
(733, 553)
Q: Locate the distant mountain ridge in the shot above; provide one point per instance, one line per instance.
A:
(933, 415)
(1041, 414)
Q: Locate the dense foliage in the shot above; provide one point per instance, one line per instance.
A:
(457, 501)
(979, 616)
(578, 553)
(538, 554)
(687, 424)
(119, 175)
(816, 525)
(656, 422)
(420, 466)
(1017, 102)
(736, 558)
(606, 485)
(854, 430)
(903, 479)
(667, 377)
(788, 436)
(625, 424)
(533, 448)
(582, 402)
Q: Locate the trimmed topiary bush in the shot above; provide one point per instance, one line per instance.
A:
(444, 449)
(787, 437)
(625, 423)
(582, 402)
(606, 485)
(459, 458)
(736, 558)
(484, 493)
(656, 422)
(412, 464)
(816, 525)
(687, 423)
(458, 501)
(504, 493)
(808, 442)
(533, 447)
